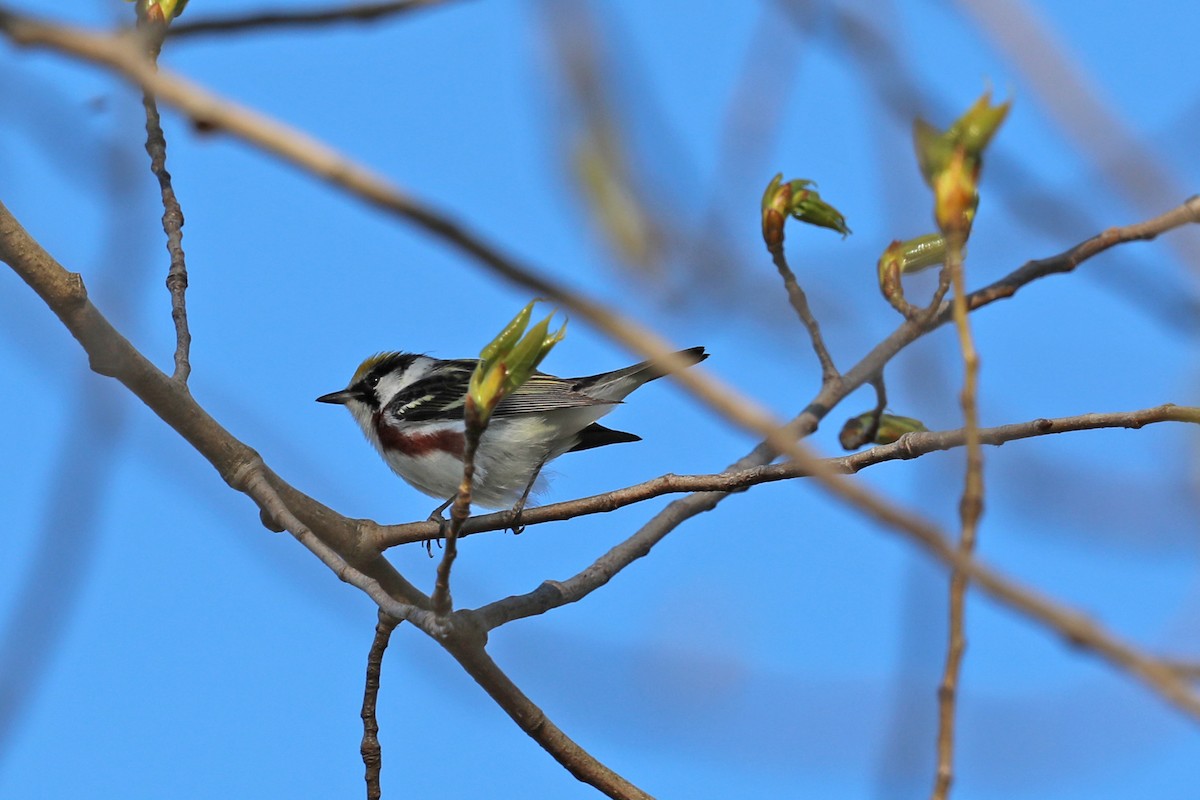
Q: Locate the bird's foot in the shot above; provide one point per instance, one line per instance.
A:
(443, 524)
(515, 525)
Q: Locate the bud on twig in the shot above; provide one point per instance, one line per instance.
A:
(508, 361)
(795, 198)
(888, 428)
(905, 258)
(950, 161)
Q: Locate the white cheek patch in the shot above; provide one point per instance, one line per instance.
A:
(393, 383)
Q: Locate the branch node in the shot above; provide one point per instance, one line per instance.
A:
(269, 522)
(243, 471)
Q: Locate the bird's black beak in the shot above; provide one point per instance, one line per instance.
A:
(339, 398)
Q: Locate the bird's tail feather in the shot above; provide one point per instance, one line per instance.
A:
(617, 384)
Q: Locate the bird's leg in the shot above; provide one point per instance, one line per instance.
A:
(517, 528)
(437, 516)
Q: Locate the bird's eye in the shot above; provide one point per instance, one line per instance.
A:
(372, 380)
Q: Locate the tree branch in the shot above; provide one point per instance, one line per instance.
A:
(372, 754)
(459, 510)
(172, 222)
(276, 139)
(970, 508)
(172, 218)
(799, 301)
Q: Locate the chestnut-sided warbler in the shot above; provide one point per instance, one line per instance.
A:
(411, 408)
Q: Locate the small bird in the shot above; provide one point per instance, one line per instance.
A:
(410, 407)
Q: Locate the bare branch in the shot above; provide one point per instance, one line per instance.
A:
(1187, 669)
(799, 301)
(279, 140)
(372, 755)
(172, 222)
(970, 509)
(1187, 212)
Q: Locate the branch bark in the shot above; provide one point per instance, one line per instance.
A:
(372, 753)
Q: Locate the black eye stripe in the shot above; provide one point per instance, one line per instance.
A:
(394, 362)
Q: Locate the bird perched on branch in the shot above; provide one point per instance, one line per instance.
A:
(411, 408)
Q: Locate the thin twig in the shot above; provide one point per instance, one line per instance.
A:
(799, 301)
(970, 509)
(459, 511)
(909, 446)
(172, 223)
(854, 434)
(372, 754)
(315, 18)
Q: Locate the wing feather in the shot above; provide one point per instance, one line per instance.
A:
(443, 396)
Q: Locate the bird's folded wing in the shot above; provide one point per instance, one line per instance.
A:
(442, 397)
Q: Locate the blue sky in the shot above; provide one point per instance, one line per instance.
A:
(779, 646)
